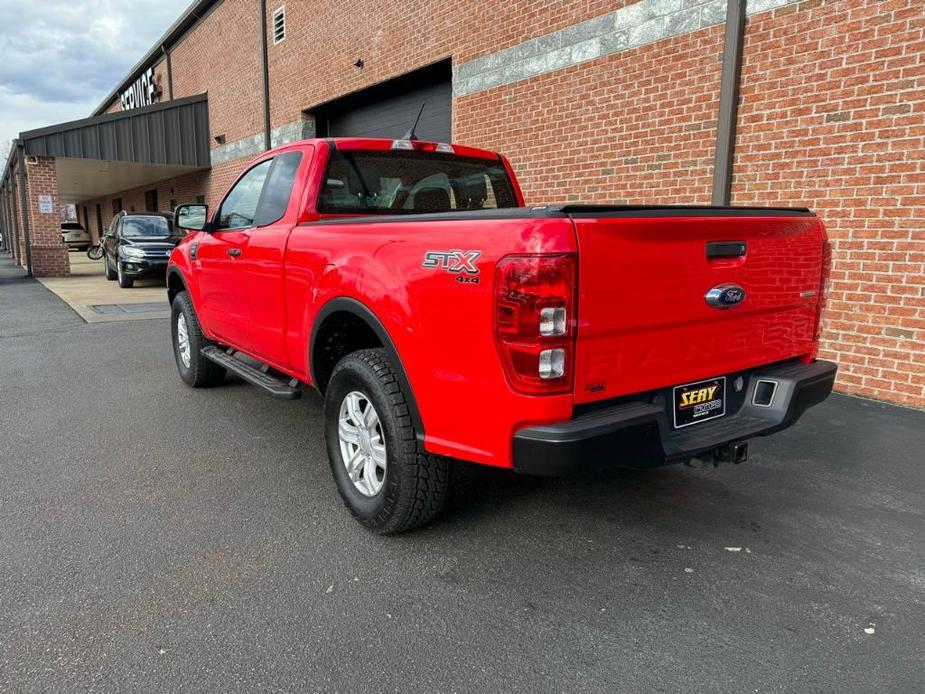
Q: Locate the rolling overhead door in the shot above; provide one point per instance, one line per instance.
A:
(389, 109)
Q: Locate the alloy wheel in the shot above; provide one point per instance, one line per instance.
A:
(183, 345)
(362, 443)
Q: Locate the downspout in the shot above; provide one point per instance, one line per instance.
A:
(169, 72)
(266, 74)
(24, 201)
(728, 102)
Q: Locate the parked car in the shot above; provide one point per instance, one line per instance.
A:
(75, 236)
(442, 320)
(137, 245)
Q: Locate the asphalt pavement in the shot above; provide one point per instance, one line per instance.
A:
(160, 539)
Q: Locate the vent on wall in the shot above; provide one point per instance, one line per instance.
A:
(279, 24)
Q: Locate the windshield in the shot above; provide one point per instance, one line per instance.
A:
(143, 227)
(71, 226)
(410, 182)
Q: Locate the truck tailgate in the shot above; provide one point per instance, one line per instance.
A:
(643, 320)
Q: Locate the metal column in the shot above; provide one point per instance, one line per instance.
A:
(24, 201)
(728, 101)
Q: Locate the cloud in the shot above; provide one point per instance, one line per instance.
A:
(59, 59)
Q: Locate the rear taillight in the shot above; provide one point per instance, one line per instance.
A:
(823, 286)
(535, 321)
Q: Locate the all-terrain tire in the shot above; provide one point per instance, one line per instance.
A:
(415, 485)
(199, 372)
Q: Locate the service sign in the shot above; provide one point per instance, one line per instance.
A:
(143, 92)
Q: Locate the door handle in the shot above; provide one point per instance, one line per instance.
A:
(234, 252)
(726, 249)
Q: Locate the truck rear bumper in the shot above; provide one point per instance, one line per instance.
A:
(637, 432)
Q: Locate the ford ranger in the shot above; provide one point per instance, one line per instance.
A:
(443, 320)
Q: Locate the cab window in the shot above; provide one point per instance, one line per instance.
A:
(239, 208)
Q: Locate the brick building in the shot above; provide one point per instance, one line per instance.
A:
(597, 101)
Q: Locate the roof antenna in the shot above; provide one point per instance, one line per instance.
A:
(410, 134)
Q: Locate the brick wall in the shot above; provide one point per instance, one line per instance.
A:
(636, 126)
(831, 117)
(49, 254)
(211, 184)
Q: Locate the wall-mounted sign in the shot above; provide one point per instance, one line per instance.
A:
(143, 92)
(46, 204)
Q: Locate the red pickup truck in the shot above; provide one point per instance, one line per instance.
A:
(443, 320)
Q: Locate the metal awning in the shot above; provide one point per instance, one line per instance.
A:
(127, 149)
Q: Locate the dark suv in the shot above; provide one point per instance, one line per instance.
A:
(138, 245)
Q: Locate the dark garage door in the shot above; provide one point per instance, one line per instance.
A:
(389, 109)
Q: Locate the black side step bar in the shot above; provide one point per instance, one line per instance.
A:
(255, 376)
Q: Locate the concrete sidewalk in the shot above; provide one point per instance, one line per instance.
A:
(98, 300)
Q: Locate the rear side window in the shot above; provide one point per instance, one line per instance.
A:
(412, 182)
(277, 190)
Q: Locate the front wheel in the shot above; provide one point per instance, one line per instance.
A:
(124, 282)
(381, 470)
(188, 340)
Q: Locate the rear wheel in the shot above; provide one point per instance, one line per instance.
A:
(107, 269)
(381, 470)
(95, 252)
(188, 340)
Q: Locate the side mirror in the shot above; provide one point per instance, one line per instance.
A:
(192, 217)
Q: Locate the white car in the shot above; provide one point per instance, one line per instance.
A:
(75, 236)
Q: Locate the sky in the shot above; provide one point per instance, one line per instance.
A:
(58, 59)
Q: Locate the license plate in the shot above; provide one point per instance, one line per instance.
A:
(699, 402)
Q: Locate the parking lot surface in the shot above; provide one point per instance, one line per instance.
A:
(156, 538)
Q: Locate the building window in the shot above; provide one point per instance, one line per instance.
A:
(116, 206)
(279, 24)
(151, 200)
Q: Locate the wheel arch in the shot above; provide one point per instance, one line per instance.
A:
(176, 283)
(334, 311)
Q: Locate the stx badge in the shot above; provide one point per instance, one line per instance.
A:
(460, 263)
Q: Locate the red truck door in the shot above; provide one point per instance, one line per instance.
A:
(221, 259)
(277, 214)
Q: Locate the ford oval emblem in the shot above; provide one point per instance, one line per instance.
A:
(725, 296)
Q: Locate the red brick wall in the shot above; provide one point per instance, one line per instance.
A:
(833, 117)
(314, 64)
(221, 56)
(636, 126)
(49, 254)
(212, 184)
